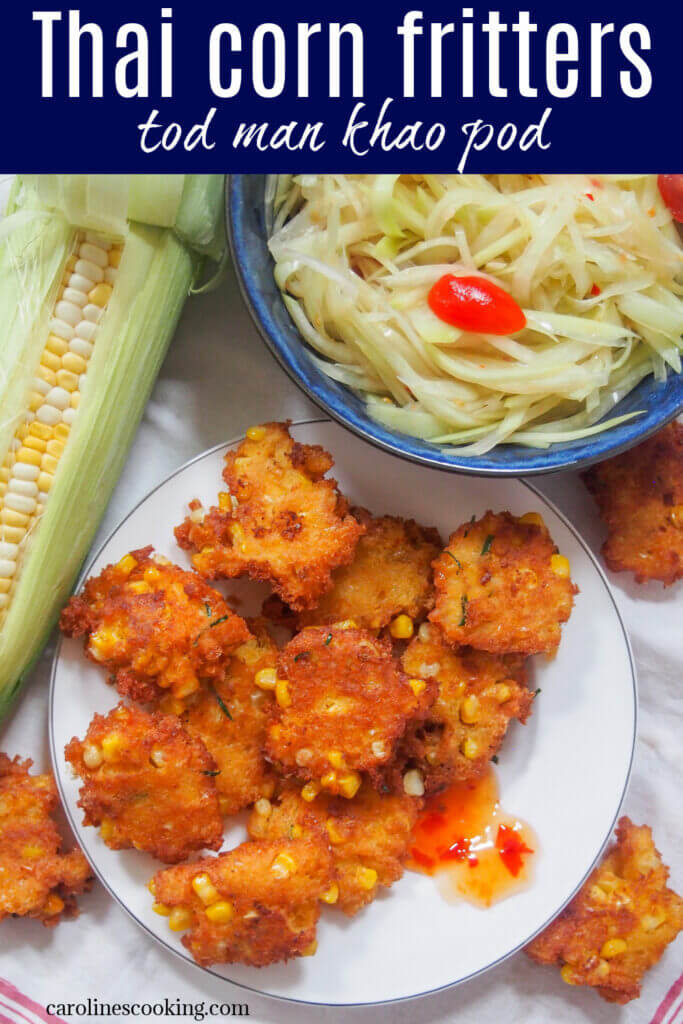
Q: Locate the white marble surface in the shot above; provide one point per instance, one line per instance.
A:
(218, 379)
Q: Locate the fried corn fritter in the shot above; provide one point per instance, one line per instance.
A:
(147, 784)
(390, 575)
(640, 497)
(36, 880)
(154, 626)
(501, 586)
(230, 718)
(620, 923)
(255, 905)
(342, 704)
(286, 525)
(369, 837)
(478, 696)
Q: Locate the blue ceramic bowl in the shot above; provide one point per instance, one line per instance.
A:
(660, 402)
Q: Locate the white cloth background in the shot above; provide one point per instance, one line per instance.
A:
(218, 379)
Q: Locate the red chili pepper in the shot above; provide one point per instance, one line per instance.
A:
(421, 858)
(590, 196)
(511, 849)
(475, 304)
(595, 290)
(671, 190)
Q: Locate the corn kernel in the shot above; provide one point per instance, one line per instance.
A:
(336, 759)
(613, 947)
(402, 627)
(311, 949)
(111, 745)
(283, 865)
(469, 749)
(418, 686)
(266, 679)
(140, 587)
(310, 791)
(170, 705)
(346, 624)
(469, 710)
(331, 895)
(256, 433)
(282, 693)
(333, 832)
(107, 829)
(224, 501)
(100, 294)
(567, 974)
(224, 805)
(151, 885)
(36, 443)
(10, 517)
(185, 688)
(652, 921)
(30, 454)
(56, 345)
(560, 565)
(40, 430)
(53, 905)
(502, 692)
(74, 363)
(295, 832)
(52, 360)
(92, 756)
(67, 380)
(157, 757)
(533, 519)
(127, 564)
(349, 785)
(220, 912)
(114, 257)
(328, 780)
(62, 431)
(161, 909)
(179, 919)
(413, 783)
(205, 889)
(263, 807)
(366, 877)
(49, 464)
(31, 851)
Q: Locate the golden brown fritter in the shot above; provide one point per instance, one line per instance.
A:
(620, 923)
(369, 836)
(230, 718)
(478, 695)
(390, 575)
(342, 704)
(147, 784)
(501, 586)
(289, 526)
(256, 905)
(154, 626)
(640, 497)
(36, 880)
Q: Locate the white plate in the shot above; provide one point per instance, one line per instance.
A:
(565, 772)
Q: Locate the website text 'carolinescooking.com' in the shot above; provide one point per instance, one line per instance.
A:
(160, 1008)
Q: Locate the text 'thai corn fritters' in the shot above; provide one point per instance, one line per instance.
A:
(155, 627)
(36, 880)
(390, 576)
(502, 586)
(279, 521)
(620, 923)
(640, 497)
(230, 718)
(369, 837)
(256, 904)
(342, 703)
(147, 784)
(479, 694)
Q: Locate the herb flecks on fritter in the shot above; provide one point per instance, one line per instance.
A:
(280, 521)
(155, 627)
(388, 581)
(369, 837)
(230, 718)
(640, 497)
(257, 904)
(36, 880)
(502, 586)
(479, 694)
(147, 784)
(620, 923)
(342, 704)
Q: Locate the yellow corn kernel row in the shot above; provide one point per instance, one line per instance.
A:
(28, 469)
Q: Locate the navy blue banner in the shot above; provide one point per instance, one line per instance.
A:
(135, 87)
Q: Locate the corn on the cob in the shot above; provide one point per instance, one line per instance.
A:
(87, 320)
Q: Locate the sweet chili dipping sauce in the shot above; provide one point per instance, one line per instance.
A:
(481, 853)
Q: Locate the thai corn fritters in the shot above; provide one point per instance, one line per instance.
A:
(478, 696)
(502, 586)
(342, 703)
(230, 718)
(36, 880)
(256, 905)
(640, 497)
(390, 576)
(154, 626)
(620, 923)
(279, 522)
(147, 784)
(369, 837)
